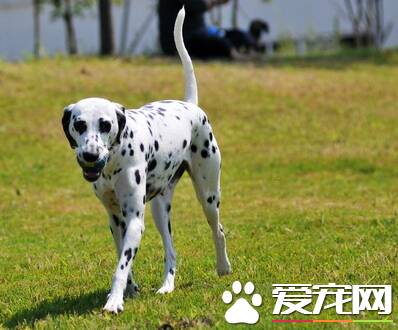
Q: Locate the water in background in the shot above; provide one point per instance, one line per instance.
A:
(286, 17)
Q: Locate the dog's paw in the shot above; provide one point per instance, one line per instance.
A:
(224, 269)
(167, 287)
(114, 304)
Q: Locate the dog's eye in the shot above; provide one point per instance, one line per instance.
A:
(104, 126)
(80, 126)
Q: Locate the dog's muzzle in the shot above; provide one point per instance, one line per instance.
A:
(92, 171)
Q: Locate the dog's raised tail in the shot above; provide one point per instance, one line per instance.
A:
(191, 88)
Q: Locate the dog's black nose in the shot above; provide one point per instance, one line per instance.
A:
(89, 157)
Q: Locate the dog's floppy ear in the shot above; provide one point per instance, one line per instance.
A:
(65, 125)
(121, 120)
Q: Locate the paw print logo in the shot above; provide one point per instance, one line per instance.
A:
(242, 311)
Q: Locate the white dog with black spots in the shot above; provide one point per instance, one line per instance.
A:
(136, 156)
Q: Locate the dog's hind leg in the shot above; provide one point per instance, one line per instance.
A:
(205, 171)
(161, 206)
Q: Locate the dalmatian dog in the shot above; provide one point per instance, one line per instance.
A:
(136, 156)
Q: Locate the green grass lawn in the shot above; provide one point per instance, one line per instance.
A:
(310, 189)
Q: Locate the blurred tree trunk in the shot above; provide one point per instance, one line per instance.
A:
(71, 42)
(382, 29)
(378, 24)
(141, 31)
(106, 29)
(36, 28)
(125, 25)
(355, 14)
(358, 19)
(235, 9)
(367, 19)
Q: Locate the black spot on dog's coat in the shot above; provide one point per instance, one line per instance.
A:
(142, 147)
(80, 126)
(194, 148)
(104, 126)
(128, 254)
(137, 177)
(184, 144)
(156, 145)
(204, 153)
(152, 164)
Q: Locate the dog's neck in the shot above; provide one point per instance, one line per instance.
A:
(110, 165)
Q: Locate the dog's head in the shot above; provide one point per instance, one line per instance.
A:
(93, 126)
(257, 28)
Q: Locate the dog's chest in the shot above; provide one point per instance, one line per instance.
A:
(156, 140)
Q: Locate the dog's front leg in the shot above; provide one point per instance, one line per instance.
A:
(130, 191)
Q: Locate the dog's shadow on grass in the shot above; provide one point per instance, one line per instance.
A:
(73, 305)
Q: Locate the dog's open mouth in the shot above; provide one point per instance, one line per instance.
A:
(91, 174)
